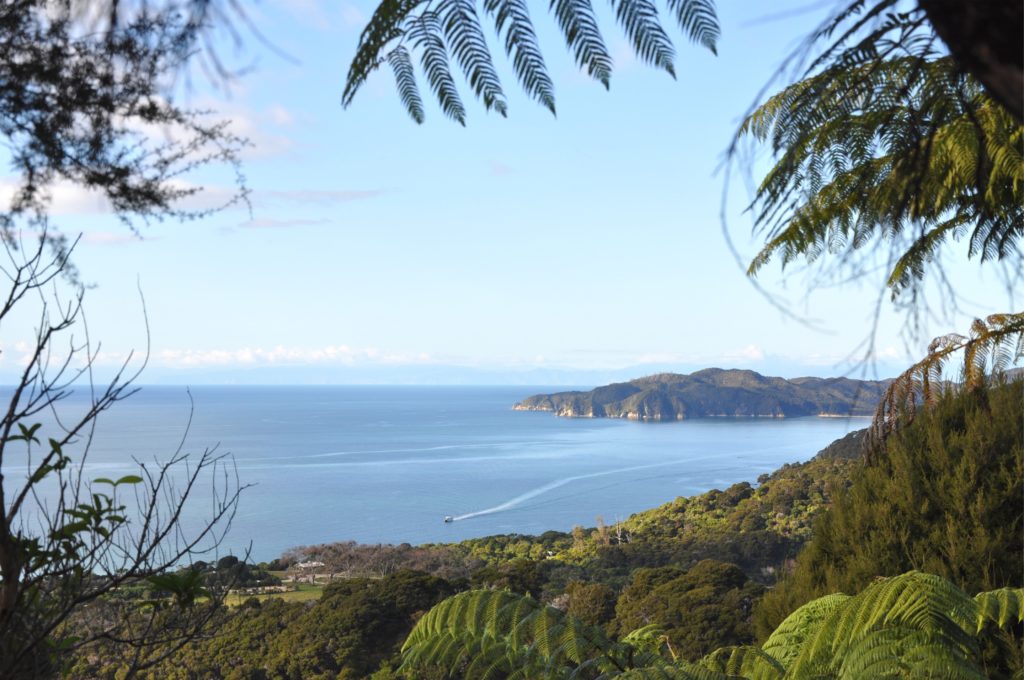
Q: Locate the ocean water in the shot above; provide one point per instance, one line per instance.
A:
(387, 464)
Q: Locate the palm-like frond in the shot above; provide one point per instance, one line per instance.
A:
(698, 20)
(496, 633)
(1004, 607)
(748, 662)
(904, 624)
(384, 27)
(905, 151)
(466, 39)
(439, 28)
(992, 346)
(639, 18)
(405, 80)
(583, 36)
(787, 641)
(426, 35)
(512, 18)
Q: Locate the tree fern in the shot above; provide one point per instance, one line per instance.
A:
(747, 662)
(639, 18)
(911, 620)
(583, 36)
(914, 625)
(698, 20)
(466, 39)
(405, 80)
(1003, 607)
(496, 632)
(886, 142)
(993, 345)
(439, 28)
(786, 642)
(384, 27)
(426, 35)
(512, 18)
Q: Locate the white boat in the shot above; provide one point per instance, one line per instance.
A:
(448, 519)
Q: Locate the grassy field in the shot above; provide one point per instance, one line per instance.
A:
(304, 592)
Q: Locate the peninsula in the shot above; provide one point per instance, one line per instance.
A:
(714, 392)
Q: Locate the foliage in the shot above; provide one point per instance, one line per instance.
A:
(913, 625)
(699, 610)
(69, 544)
(357, 625)
(900, 151)
(943, 495)
(441, 29)
(993, 345)
(86, 102)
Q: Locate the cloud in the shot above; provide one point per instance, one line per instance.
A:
(748, 353)
(338, 355)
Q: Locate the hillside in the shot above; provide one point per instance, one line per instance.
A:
(714, 392)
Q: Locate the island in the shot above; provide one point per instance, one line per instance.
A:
(715, 392)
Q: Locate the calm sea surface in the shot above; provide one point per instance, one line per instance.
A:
(387, 464)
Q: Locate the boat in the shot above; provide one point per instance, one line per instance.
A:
(448, 519)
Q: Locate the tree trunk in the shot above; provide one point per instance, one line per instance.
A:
(986, 37)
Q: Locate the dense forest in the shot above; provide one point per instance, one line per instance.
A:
(724, 569)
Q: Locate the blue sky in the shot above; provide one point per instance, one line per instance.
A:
(533, 249)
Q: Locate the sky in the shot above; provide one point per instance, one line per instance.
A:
(534, 249)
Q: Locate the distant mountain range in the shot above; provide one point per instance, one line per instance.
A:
(715, 392)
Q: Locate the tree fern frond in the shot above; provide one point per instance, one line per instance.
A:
(751, 663)
(582, 36)
(993, 344)
(1004, 607)
(512, 18)
(384, 27)
(466, 39)
(787, 641)
(698, 20)
(639, 19)
(405, 80)
(920, 611)
(426, 35)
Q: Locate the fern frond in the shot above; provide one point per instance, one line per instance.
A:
(466, 39)
(905, 153)
(383, 28)
(426, 35)
(405, 80)
(512, 18)
(698, 20)
(639, 19)
(1004, 607)
(582, 36)
(787, 641)
(993, 345)
(896, 622)
(747, 662)
(496, 633)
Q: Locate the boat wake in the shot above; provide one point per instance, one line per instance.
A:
(533, 493)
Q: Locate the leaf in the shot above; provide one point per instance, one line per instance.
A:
(129, 479)
(385, 26)
(582, 35)
(513, 18)
(426, 34)
(698, 20)
(639, 18)
(466, 39)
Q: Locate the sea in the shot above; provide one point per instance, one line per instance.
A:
(386, 464)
